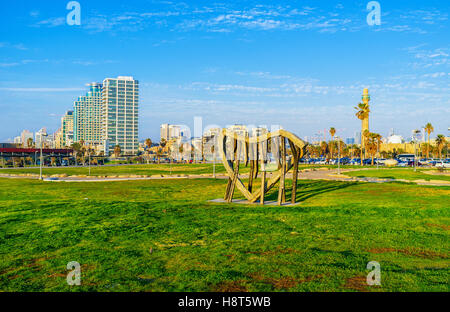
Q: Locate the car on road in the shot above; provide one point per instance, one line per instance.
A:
(442, 164)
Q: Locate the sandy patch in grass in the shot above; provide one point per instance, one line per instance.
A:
(358, 283)
(441, 226)
(283, 283)
(230, 286)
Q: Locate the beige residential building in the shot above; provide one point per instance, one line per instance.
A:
(66, 129)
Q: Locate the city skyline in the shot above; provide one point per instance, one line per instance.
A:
(231, 64)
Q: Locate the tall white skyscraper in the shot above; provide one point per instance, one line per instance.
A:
(87, 116)
(164, 132)
(120, 97)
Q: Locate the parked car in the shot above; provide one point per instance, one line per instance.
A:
(368, 161)
(355, 161)
(442, 164)
(380, 161)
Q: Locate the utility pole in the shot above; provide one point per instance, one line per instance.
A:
(339, 157)
(40, 167)
(416, 134)
(89, 158)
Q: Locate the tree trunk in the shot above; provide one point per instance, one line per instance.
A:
(362, 141)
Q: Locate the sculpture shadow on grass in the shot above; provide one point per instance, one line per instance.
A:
(309, 189)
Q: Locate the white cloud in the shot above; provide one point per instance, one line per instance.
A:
(228, 18)
(51, 22)
(41, 89)
(17, 46)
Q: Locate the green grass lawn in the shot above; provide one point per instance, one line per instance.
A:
(398, 173)
(150, 169)
(324, 244)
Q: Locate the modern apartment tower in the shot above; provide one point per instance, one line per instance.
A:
(164, 132)
(87, 119)
(120, 114)
(169, 132)
(66, 128)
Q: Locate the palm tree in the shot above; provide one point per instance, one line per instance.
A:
(83, 153)
(181, 150)
(76, 147)
(429, 129)
(362, 113)
(117, 151)
(163, 142)
(102, 154)
(373, 141)
(159, 153)
(148, 142)
(323, 147)
(440, 143)
(332, 133)
(423, 148)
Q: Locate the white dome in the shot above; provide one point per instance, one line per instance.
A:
(395, 139)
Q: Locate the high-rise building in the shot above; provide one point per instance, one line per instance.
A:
(258, 131)
(25, 136)
(41, 138)
(164, 132)
(357, 137)
(17, 140)
(66, 128)
(58, 138)
(87, 117)
(174, 132)
(120, 114)
(350, 141)
(169, 132)
(241, 130)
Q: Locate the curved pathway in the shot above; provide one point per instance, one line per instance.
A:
(305, 174)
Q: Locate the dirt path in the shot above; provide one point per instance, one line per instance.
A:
(305, 174)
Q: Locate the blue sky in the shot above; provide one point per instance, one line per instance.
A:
(299, 64)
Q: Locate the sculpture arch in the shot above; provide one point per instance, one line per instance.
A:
(254, 151)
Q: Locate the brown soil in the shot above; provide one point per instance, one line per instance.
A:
(230, 286)
(283, 282)
(358, 283)
(441, 226)
(411, 252)
(277, 251)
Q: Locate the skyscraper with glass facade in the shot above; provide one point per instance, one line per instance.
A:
(120, 114)
(87, 119)
(66, 128)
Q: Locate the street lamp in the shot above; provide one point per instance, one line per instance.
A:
(89, 158)
(339, 155)
(378, 154)
(42, 143)
(416, 137)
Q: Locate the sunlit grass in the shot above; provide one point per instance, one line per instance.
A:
(399, 173)
(164, 235)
